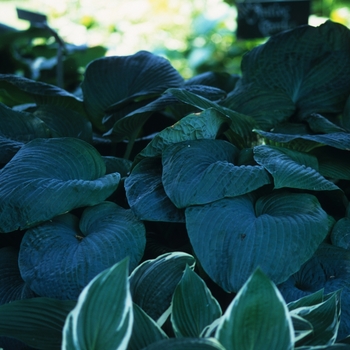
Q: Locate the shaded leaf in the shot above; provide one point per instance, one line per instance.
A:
(37, 322)
(64, 122)
(119, 80)
(153, 283)
(146, 196)
(329, 270)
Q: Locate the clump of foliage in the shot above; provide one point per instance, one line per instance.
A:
(154, 212)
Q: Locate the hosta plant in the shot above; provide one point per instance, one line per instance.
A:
(211, 212)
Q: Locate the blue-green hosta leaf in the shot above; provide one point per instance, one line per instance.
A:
(268, 107)
(103, 316)
(233, 236)
(305, 143)
(205, 125)
(292, 169)
(48, 177)
(12, 285)
(145, 331)
(128, 123)
(307, 300)
(119, 80)
(60, 257)
(64, 122)
(333, 163)
(21, 126)
(37, 322)
(329, 270)
(186, 344)
(321, 125)
(117, 165)
(208, 174)
(337, 346)
(302, 329)
(193, 306)
(257, 318)
(153, 283)
(242, 125)
(22, 90)
(324, 317)
(146, 196)
(340, 235)
(8, 148)
(310, 64)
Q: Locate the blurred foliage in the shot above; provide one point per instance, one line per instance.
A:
(195, 35)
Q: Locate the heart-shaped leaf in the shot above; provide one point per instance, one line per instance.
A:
(193, 306)
(310, 64)
(208, 174)
(257, 318)
(60, 257)
(103, 317)
(119, 80)
(233, 236)
(48, 177)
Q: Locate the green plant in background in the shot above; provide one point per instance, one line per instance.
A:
(183, 213)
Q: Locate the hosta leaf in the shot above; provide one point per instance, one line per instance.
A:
(153, 283)
(324, 317)
(205, 125)
(321, 125)
(193, 306)
(340, 235)
(146, 196)
(257, 318)
(329, 270)
(117, 165)
(340, 140)
(292, 169)
(60, 257)
(208, 174)
(233, 236)
(134, 120)
(268, 107)
(307, 300)
(145, 331)
(8, 148)
(12, 286)
(22, 90)
(333, 163)
(21, 126)
(37, 322)
(119, 80)
(302, 329)
(103, 316)
(186, 344)
(310, 64)
(48, 177)
(241, 124)
(64, 122)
